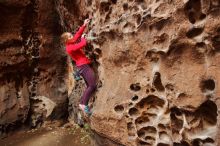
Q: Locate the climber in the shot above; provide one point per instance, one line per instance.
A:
(74, 48)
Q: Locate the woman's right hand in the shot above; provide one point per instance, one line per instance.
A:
(86, 21)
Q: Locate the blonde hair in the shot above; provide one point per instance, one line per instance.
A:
(66, 36)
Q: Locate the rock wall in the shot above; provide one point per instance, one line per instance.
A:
(33, 85)
(159, 70)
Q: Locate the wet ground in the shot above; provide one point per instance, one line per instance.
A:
(56, 136)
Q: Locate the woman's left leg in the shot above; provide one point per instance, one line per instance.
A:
(89, 77)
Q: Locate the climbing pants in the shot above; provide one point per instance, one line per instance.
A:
(89, 76)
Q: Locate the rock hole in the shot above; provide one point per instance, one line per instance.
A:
(149, 139)
(176, 123)
(152, 90)
(152, 55)
(208, 84)
(147, 130)
(194, 32)
(193, 10)
(104, 7)
(138, 19)
(182, 95)
(201, 48)
(161, 39)
(135, 8)
(141, 134)
(147, 91)
(133, 112)
(141, 105)
(197, 142)
(135, 98)
(183, 143)
(135, 87)
(162, 144)
(99, 84)
(176, 49)
(160, 24)
(201, 45)
(216, 42)
(125, 6)
(142, 120)
(161, 126)
(114, 1)
(139, 1)
(150, 101)
(131, 135)
(208, 111)
(191, 17)
(131, 129)
(130, 104)
(98, 51)
(169, 87)
(142, 143)
(128, 27)
(202, 16)
(208, 140)
(33, 94)
(157, 82)
(130, 126)
(176, 111)
(119, 108)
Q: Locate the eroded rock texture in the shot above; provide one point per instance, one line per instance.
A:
(159, 68)
(32, 62)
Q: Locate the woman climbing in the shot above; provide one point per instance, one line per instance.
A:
(74, 47)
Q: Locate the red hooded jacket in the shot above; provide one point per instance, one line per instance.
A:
(75, 49)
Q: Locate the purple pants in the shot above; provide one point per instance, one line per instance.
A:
(89, 76)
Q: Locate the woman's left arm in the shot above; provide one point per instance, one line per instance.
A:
(74, 47)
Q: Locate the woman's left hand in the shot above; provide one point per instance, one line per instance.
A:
(84, 35)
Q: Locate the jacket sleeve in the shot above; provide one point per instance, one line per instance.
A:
(74, 47)
(78, 33)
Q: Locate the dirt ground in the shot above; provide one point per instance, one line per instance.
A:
(50, 136)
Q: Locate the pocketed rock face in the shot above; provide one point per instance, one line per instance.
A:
(159, 68)
(32, 62)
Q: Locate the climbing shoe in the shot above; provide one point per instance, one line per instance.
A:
(85, 109)
(77, 76)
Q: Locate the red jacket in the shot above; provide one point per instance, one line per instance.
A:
(75, 49)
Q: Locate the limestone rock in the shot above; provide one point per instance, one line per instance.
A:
(159, 70)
